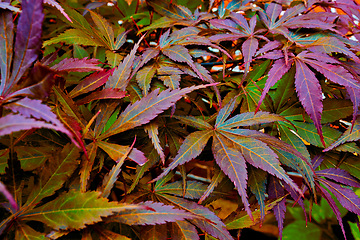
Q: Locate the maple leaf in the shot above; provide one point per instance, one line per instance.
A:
(206, 219)
(27, 43)
(77, 65)
(232, 148)
(17, 122)
(191, 148)
(34, 108)
(331, 44)
(276, 191)
(73, 210)
(6, 47)
(105, 30)
(108, 93)
(339, 175)
(120, 76)
(257, 182)
(54, 175)
(144, 76)
(354, 95)
(24, 231)
(309, 92)
(153, 213)
(345, 196)
(146, 109)
(351, 134)
(278, 69)
(333, 206)
(307, 86)
(117, 152)
(239, 28)
(216, 179)
(233, 164)
(111, 177)
(90, 83)
(74, 36)
(183, 230)
(152, 130)
(192, 190)
(244, 221)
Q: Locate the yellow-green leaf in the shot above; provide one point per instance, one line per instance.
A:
(74, 36)
(75, 210)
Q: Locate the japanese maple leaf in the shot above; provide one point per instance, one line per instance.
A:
(307, 85)
(279, 23)
(332, 179)
(233, 147)
(239, 27)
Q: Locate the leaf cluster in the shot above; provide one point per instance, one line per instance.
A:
(247, 104)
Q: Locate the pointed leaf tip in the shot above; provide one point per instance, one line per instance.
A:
(9, 197)
(58, 6)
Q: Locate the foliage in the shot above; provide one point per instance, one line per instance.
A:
(247, 104)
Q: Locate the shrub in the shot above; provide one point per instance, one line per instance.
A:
(247, 104)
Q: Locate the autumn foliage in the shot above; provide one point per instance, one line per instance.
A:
(179, 119)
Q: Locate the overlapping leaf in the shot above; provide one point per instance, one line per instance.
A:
(146, 109)
(332, 44)
(244, 221)
(28, 40)
(77, 65)
(111, 177)
(309, 133)
(7, 5)
(278, 69)
(58, 6)
(216, 179)
(74, 36)
(349, 135)
(339, 175)
(192, 190)
(17, 122)
(144, 76)
(116, 152)
(156, 232)
(191, 148)
(120, 76)
(90, 83)
(259, 155)
(257, 182)
(54, 175)
(152, 130)
(6, 47)
(333, 206)
(29, 158)
(233, 164)
(250, 118)
(105, 29)
(309, 92)
(73, 210)
(153, 213)
(24, 231)
(206, 221)
(276, 191)
(345, 196)
(108, 93)
(183, 230)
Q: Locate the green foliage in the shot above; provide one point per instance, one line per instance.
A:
(230, 112)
